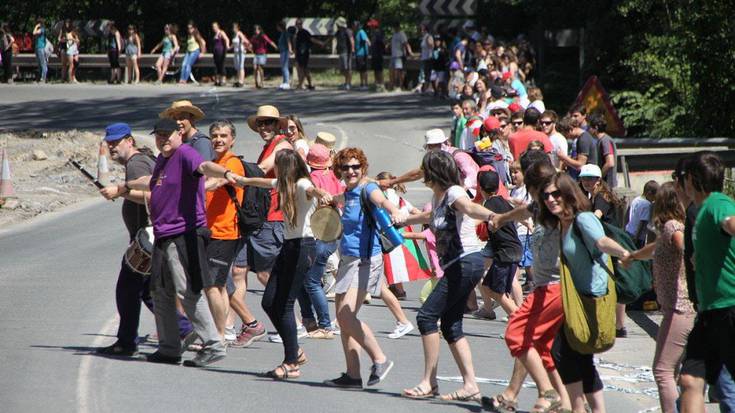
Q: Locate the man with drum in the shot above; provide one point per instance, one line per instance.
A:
(133, 281)
(180, 250)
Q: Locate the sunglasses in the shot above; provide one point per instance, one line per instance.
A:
(517, 123)
(503, 125)
(355, 167)
(554, 194)
(263, 122)
(546, 123)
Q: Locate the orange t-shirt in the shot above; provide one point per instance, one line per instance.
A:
(221, 212)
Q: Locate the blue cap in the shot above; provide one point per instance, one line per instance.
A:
(117, 131)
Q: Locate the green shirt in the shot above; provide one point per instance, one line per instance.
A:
(714, 252)
(458, 129)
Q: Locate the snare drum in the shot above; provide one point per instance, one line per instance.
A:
(139, 252)
(326, 224)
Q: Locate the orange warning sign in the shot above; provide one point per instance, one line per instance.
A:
(595, 99)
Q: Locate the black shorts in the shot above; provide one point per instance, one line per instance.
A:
(719, 332)
(695, 351)
(220, 255)
(302, 59)
(499, 277)
(376, 63)
(113, 55)
(361, 63)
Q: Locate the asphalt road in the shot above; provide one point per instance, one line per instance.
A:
(58, 274)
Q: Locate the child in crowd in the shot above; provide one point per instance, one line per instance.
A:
(519, 195)
(503, 248)
(640, 213)
(458, 122)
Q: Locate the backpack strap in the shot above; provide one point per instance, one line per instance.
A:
(365, 205)
(598, 260)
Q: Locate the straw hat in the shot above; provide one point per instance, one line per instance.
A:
(266, 112)
(340, 22)
(182, 106)
(326, 139)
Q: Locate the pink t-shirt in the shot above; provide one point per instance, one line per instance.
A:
(260, 43)
(326, 180)
(433, 256)
(467, 166)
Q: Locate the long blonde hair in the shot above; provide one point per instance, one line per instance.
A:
(291, 167)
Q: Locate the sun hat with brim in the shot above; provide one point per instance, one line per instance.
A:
(185, 106)
(326, 139)
(117, 131)
(319, 156)
(590, 171)
(266, 112)
(340, 22)
(165, 125)
(435, 136)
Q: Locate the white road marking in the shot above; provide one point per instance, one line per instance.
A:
(84, 392)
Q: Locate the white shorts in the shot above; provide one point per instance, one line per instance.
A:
(355, 273)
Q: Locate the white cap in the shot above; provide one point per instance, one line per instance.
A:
(590, 171)
(434, 136)
(538, 105)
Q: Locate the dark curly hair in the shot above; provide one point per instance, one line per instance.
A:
(344, 156)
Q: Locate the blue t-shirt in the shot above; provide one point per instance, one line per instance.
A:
(283, 41)
(356, 227)
(589, 277)
(519, 87)
(41, 39)
(361, 47)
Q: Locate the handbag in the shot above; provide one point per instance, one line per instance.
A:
(589, 322)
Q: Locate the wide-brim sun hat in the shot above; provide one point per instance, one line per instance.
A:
(266, 112)
(590, 171)
(185, 106)
(326, 139)
(435, 136)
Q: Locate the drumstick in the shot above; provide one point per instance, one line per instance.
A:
(87, 175)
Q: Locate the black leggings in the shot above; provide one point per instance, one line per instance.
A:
(573, 366)
(219, 62)
(283, 288)
(7, 64)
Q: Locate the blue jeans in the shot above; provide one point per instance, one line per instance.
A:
(284, 66)
(42, 64)
(189, 59)
(448, 299)
(313, 294)
(726, 391)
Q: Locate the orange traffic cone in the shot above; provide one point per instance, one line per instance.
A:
(103, 170)
(6, 180)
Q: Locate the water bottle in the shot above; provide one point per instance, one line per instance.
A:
(385, 227)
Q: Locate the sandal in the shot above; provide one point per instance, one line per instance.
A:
(554, 400)
(456, 396)
(302, 358)
(499, 404)
(419, 393)
(287, 373)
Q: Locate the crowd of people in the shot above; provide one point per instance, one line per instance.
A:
(516, 196)
(453, 62)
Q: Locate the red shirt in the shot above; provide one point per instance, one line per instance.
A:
(274, 213)
(260, 43)
(519, 141)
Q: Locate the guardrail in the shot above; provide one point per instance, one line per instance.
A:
(100, 61)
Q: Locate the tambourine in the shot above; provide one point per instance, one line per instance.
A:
(326, 224)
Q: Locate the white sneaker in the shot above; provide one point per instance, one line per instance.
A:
(230, 334)
(334, 328)
(401, 330)
(301, 331)
(275, 338)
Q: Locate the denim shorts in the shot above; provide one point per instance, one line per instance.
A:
(499, 277)
(259, 59)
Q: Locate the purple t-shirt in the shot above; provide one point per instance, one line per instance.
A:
(177, 193)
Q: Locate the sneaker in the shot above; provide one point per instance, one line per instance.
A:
(334, 328)
(344, 382)
(157, 357)
(249, 335)
(205, 358)
(275, 338)
(401, 330)
(118, 350)
(230, 334)
(301, 331)
(348, 86)
(378, 372)
(322, 334)
(484, 314)
(621, 332)
(285, 86)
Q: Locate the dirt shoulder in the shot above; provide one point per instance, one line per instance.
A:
(41, 176)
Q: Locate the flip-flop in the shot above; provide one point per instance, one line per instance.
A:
(461, 397)
(419, 393)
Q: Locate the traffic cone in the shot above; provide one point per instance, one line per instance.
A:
(103, 170)
(6, 180)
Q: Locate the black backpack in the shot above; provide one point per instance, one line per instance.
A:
(255, 203)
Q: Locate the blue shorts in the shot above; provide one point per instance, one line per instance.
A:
(261, 248)
(259, 59)
(499, 278)
(527, 259)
